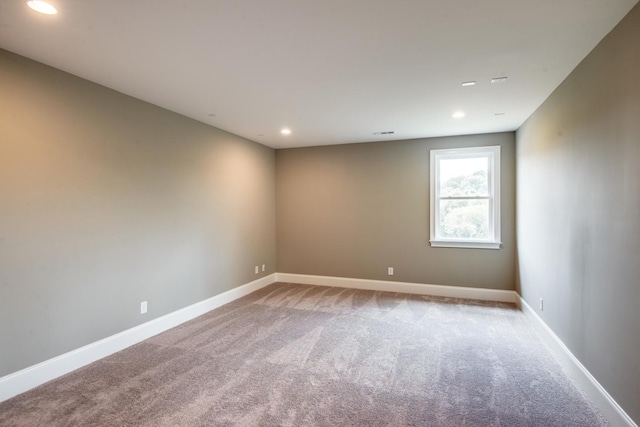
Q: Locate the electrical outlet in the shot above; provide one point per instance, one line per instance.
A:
(256, 269)
(541, 304)
(143, 307)
(390, 271)
(264, 267)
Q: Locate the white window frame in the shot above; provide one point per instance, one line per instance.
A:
(493, 177)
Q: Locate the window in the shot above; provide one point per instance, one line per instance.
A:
(465, 198)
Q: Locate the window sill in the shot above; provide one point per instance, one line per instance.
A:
(464, 244)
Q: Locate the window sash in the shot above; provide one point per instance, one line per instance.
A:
(464, 197)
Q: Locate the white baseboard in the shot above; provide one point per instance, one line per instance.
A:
(591, 387)
(33, 376)
(408, 288)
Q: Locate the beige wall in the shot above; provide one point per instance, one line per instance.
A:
(354, 210)
(578, 160)
(106, 201)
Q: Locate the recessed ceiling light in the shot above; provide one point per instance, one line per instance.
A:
(285, 131)
(471, 83)
(42, 7)
(458, 115)
(499, 79)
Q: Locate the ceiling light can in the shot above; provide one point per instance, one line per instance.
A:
(42, 7)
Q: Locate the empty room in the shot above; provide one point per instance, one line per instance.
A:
(288, 213)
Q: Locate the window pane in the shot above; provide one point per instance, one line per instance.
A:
(464, 219)
(464, 177)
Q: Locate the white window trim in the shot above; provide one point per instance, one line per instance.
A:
(494, 197)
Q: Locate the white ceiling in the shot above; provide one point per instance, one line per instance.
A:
(334, 71)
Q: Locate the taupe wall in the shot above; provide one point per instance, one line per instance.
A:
(578, 161)
(106, 201)
(354, 210)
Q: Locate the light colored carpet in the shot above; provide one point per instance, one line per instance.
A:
(297, 355)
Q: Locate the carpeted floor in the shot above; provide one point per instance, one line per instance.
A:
(297, 355)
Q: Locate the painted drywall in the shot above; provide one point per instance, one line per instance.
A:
(578, 204)
(107, 201)
(354, 210)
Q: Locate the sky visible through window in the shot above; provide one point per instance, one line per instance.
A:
(451, 168)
